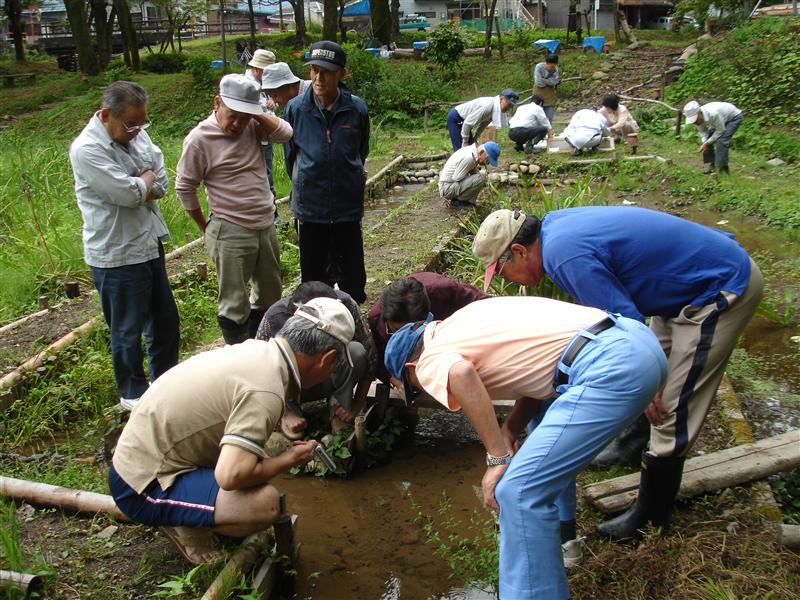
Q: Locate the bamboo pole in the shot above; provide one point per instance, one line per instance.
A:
(242, 561)
(15, 376)
(60, 497)
(23, 582)
(375, 178)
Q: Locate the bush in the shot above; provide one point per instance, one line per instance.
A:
(404, 92)
(362, 68)
(446, 46)
(166, 62)
(204, 75)
(118, 70)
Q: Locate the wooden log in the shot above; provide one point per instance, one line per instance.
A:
(44, 302)
(242, 561)
(20, 582)
(266, 578)
(789, 536)
(22, 320)
(382, 172)
(709, 472)
(60, 497)
(184, 249)
(10, 380)
(429, 158)
(72, 289)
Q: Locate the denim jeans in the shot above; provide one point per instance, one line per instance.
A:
(137, 301)
(454, 123)
(611, 381)
(717, 153)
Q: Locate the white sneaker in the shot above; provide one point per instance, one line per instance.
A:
(128, 403)
(572, 551)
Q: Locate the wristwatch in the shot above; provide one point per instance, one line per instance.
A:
(494, 461)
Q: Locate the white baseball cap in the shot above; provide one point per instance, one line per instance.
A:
(333, 317)
(241, 94)
(690, 111)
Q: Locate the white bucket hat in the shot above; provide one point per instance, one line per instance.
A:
(276, 76)
(262, 58)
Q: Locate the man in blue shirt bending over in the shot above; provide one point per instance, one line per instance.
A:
(697, 284)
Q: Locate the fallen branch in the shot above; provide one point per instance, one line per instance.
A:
(59, 497)
(242, 561)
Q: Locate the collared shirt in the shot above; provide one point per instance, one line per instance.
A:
(120, 225)
(479, 113)
(513, 342)
(232, 395)
(715, 115)
(529, 115)
(233, 171)
(462, 162)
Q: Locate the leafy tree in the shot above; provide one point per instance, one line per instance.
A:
(329, 19)
(129, 43)
(300, 37)
(446, 45)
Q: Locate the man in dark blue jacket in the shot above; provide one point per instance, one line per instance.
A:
(697, 285)
(325, 161)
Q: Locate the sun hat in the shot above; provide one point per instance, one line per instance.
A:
(333, 318)
(262, 58)
(400, 348)
(276, 76)
(494, 237)
(510, 95)
(691, 111)
(328, 55)
(240, 94)
(493, 151)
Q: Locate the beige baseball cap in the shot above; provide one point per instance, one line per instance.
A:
(494, 237)
(333, 318)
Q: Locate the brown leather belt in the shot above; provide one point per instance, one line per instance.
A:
(577, 345)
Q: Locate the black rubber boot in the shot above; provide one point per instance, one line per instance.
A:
(627, 449)
(659, 484)
(253, 321)
(232, 332)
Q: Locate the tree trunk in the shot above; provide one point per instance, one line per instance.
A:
(487, 43)
(79, 24)
(340, 22)
(499, 37)
(617, 35)
(102, 30)
(300, 39)
(128, 34)
(395, 14)
(329, 19)
(252, 16)
(381, 21)
(14, 13)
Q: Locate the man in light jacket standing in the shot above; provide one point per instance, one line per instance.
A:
(224, 154)
(325, 161)
(717, 122)
(119, 174)
(476, 115)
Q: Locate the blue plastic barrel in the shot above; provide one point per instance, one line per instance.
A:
(550, 45)
(216, 64)
(374, 51)
(419, 45)
(596, 42)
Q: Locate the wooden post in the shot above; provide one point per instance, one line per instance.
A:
(426, 114)
(678, 117)
(44, 302)
(285, 548)
(202, 271)
(72, 289)
(360, 430)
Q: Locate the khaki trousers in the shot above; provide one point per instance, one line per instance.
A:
(698, 343)
(466, 190)
(240, 256)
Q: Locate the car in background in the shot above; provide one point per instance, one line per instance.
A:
(666, 23)
(414, 22)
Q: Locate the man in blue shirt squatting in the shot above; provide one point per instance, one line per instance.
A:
(697, 284)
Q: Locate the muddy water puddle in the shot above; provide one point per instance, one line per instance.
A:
(360, 538)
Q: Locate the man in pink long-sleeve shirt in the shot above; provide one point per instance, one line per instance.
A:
(224, 153)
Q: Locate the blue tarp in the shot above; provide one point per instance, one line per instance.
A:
(356, 9)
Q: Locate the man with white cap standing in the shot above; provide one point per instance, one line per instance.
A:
(460, 182)
(325, 161)
(192, 457)
(224, 154)
(716, 122)
(466, 122)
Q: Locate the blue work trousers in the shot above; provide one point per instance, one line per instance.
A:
(610, 382)
(454, 123)
(137, 301)
(717, 153)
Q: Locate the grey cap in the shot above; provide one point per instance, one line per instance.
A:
(240, 94)
(276, 76)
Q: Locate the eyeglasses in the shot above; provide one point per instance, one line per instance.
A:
(504, 258)
(133, 128)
